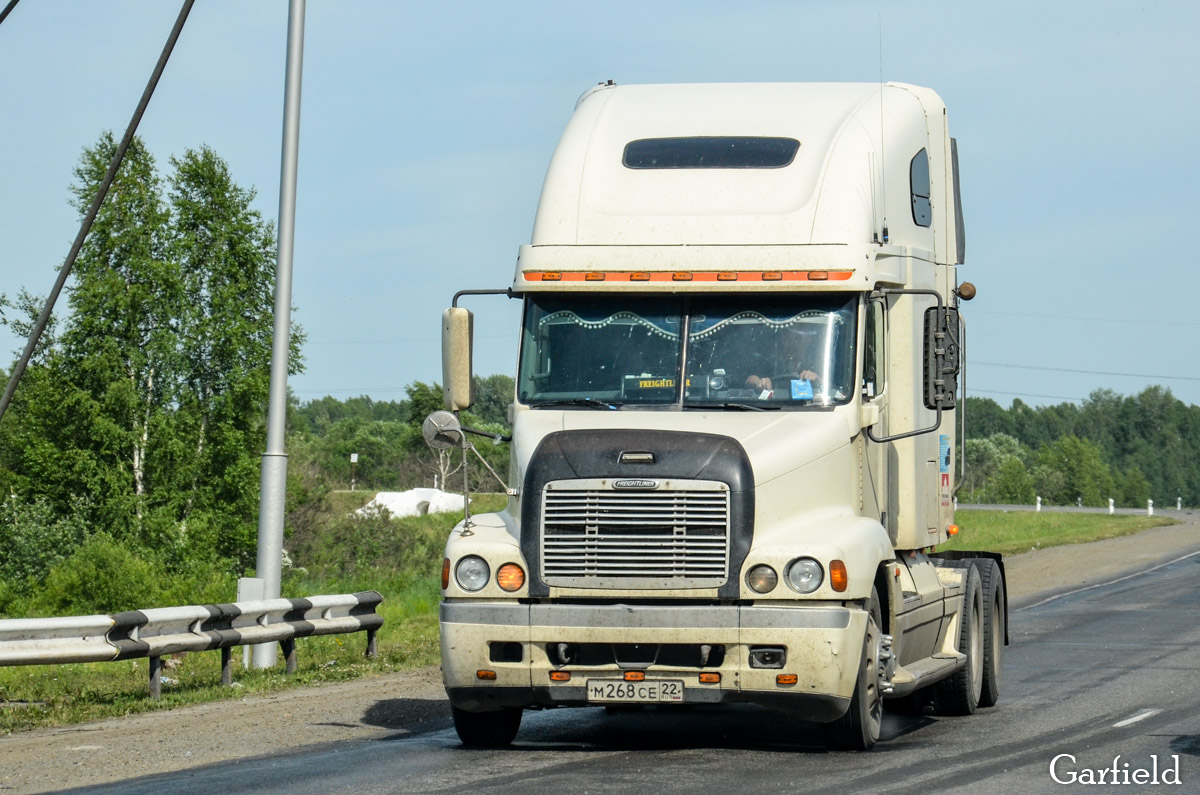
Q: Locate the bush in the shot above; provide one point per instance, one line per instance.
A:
(34, 540)
(100, 577)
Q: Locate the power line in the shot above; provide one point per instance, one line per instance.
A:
(1087, 372)
(8, 10)
(1025, 394)
(1046, 315)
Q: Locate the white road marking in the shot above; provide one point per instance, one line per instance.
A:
(1109, 582)
(1138, 717)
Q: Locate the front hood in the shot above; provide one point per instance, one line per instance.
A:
(776, 443)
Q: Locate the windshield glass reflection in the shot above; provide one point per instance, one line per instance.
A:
(743, 352)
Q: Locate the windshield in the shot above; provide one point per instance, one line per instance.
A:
(750, 351)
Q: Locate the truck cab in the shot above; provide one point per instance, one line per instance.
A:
(735, 427)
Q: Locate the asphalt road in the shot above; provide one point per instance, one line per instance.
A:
(1108, 671)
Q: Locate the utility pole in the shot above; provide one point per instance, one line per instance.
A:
(274, 461)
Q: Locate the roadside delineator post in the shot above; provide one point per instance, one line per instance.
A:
(1039, 504)
(1111, 509)
(1149, 507)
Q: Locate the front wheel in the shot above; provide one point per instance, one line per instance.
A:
(487, 729)
(858, 729)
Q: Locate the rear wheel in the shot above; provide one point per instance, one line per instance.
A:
(487, 729)
(858, 729)
(995, 628)
(959, 695)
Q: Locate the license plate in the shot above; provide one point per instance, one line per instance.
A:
(620, 691)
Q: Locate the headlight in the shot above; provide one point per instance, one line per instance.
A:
(804, 575)
(471, 573)
(762, 579)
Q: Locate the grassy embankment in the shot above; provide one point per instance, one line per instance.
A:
(402, 560)
(1014, 532)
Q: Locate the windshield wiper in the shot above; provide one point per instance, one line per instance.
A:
(590, 402)
(733, 406)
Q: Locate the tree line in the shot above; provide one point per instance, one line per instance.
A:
(135, 439)
(1126, 448)
(140, 422)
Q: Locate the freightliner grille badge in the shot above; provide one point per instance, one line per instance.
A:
(635, 484)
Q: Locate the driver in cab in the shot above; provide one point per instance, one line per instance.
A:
(789, 376)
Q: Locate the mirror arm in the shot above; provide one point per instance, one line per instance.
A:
(499, 437)
(937, 423)
(506, 291)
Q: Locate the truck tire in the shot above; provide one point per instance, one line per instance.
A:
(858, 729)
(959, 695)
(995, 629)
(487, 729)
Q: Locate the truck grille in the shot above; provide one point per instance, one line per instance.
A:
(598, 537)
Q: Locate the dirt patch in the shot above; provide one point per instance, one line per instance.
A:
(413, 701)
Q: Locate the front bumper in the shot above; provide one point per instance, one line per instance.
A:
(823, 650)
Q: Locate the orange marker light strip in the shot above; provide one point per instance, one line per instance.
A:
(710, 679)
(510, 577)
(635, 676)
(686, 276)
(838, 578)
(486, 675)
(786, 679)
(445, 573)
(560, 676)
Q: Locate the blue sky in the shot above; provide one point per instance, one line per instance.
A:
(426, 130)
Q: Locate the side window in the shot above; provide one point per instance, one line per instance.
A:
(918, 172)
(874, 370)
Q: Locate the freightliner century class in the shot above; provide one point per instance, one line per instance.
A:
(735, 433)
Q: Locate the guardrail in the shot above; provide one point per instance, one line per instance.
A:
(158, 632)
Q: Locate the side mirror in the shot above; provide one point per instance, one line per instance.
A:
(458, 387)
(943, 355)
(442, 431)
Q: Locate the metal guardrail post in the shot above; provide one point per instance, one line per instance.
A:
(227, 666)
(155, 678)
(372, 645)
(289, 654)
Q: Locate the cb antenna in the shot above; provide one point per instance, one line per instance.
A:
(882, 152)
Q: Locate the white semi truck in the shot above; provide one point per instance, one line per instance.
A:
(734, 434)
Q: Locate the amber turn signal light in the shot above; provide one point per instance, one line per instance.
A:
(786, 679)
(560, 676)
(445, 573)
(952, 530)
(486, 675)
(510, 577)
(710, 679)
(838, 578)
(635, 676)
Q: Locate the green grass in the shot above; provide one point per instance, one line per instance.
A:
(402, 560)
(1013, 532)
